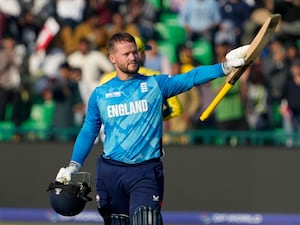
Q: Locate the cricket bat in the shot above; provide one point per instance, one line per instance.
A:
(257, 45)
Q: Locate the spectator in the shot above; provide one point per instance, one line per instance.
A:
(230, 112)
(28, 30)
(117, 5)
(11, 11)
(257, 109)
(67, 100)
(103, 8)
(2, 23)
(235, 13)
(80, 110)
(200, 19)
(156, 60)
(41, 10)
(186, 57)
(143, 14)
(176, 5)
(43, 68)
(46, 63)
(70, 13)
(10, 8)
(120, 25)
(292, 51)
(226, 33)
(93, 30)
(290, 19)
(92, 63)
(76, 75)
(66, 36)
(10, 79)
(290, 105)
(276, 69)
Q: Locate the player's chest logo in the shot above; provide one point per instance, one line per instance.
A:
(144, 87)
(113, 94)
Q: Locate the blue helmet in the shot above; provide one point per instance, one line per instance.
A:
(69, 199)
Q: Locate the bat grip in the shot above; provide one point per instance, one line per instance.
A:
(216, 101)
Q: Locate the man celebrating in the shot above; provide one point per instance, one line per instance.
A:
(130, 180)
(172, 105)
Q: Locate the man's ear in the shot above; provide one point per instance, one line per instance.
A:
(112, 59)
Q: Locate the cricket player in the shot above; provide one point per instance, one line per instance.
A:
(130, 178)
(171, 107)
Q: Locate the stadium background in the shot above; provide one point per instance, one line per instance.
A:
(199, 178)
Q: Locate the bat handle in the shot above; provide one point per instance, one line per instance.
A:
(216, 101)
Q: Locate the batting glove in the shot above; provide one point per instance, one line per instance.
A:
(65, 173)
(235, 59)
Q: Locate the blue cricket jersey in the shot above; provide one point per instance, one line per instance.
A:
(131, 112)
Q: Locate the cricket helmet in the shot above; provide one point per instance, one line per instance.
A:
(69, 199)
(141, 46)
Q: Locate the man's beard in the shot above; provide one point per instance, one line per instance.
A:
(130, 71)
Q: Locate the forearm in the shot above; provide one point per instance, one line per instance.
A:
(174, 85)
(82, 146)
(208, 73)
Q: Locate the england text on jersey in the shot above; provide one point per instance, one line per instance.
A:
(127, 108)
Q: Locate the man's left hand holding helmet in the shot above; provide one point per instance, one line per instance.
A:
(65, 173)
(68, 195)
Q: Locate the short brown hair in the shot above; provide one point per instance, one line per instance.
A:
(119, 37)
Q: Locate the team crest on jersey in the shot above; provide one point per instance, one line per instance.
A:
(113, 94)
(144, 87)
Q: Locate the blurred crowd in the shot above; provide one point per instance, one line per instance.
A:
(53, 53)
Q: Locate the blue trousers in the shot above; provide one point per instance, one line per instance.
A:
(123, 187)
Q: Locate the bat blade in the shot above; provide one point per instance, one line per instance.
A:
(257, 45)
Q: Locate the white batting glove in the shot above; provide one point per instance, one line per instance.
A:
(235, 59)
(239, 52)
(65, 173)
